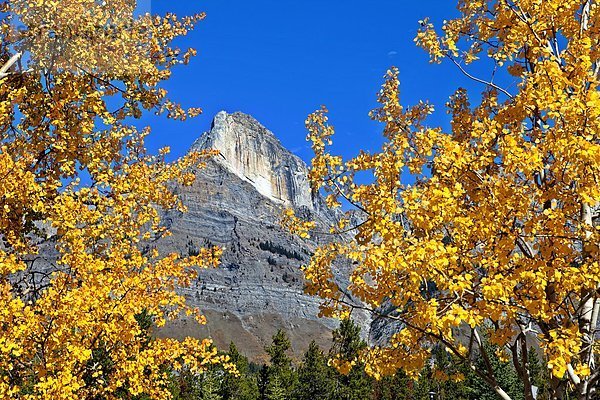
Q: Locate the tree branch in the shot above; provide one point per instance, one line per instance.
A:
(468, 75)
(4, 70)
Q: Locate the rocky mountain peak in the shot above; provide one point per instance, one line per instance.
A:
(255, 155)
(236, 203)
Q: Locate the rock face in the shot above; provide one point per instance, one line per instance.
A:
(255, 155)
(236, 203)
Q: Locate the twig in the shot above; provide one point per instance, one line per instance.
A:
(468, 75)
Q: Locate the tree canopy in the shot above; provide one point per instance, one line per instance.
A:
(76, 178)
(499, 232)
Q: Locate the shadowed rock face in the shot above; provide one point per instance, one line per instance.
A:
(236, 203)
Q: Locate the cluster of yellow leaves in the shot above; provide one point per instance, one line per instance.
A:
(493, 233)
(296, 225)
(343, 366)
(75, 175)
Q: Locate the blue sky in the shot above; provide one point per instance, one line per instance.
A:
(280, 60)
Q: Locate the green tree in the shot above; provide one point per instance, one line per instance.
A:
(242, 387)
(539, 374)
(424, 385)
(210, 385)
(314, 376)
(397, 386)
(263, 381)
(185, 386)
(276, 389)
(347, 344)
(280, 367)
(503, 370)
(450, 384)
(278, 350)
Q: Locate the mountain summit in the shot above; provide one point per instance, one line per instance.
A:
(236, 202)
(254, 154)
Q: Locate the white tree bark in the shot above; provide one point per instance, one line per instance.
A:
(6, 67)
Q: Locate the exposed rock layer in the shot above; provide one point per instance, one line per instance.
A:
(236, 202)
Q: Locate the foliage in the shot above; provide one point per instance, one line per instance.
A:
(185, 385)
(241, 387)
(210, 386)
(397, 386)
(449, 379)
(443, 377)
(314, 376)
(350, 379)
(263, 381)
(77, 177)
(188, 385)
(498, 230)
(505, 374)
(280, 375)
(538, 374)
(280, 361)
(275, 389)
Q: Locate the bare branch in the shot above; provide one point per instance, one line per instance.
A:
(487, 83)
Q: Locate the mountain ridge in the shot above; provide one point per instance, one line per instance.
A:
(236, 202)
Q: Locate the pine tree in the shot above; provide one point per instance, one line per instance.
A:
(276, 389)
(538, 374)
(210, 386)
(448, 387)
(185, 386)
(314, 376)
(280, 367)
(347, 344)
(505, 374)
(242, 387)
(278, 351)
(263, 381)
(424, 385)
(398, 386)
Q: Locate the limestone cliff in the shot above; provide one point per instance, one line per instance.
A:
(236, 202)
(255, 155)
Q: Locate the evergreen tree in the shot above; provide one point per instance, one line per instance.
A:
(145, 322)
(449, 388)
(278, 351)
(276, 389)
(425, 385)
(505, 374)
(280, 366)
(398, 386)
(314, 376)
(185, 386)
(347, 344)
(242, 387)
(210, 386)
(263, 381)
(538, 374)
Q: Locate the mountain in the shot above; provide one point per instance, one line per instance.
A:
(236, 202)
